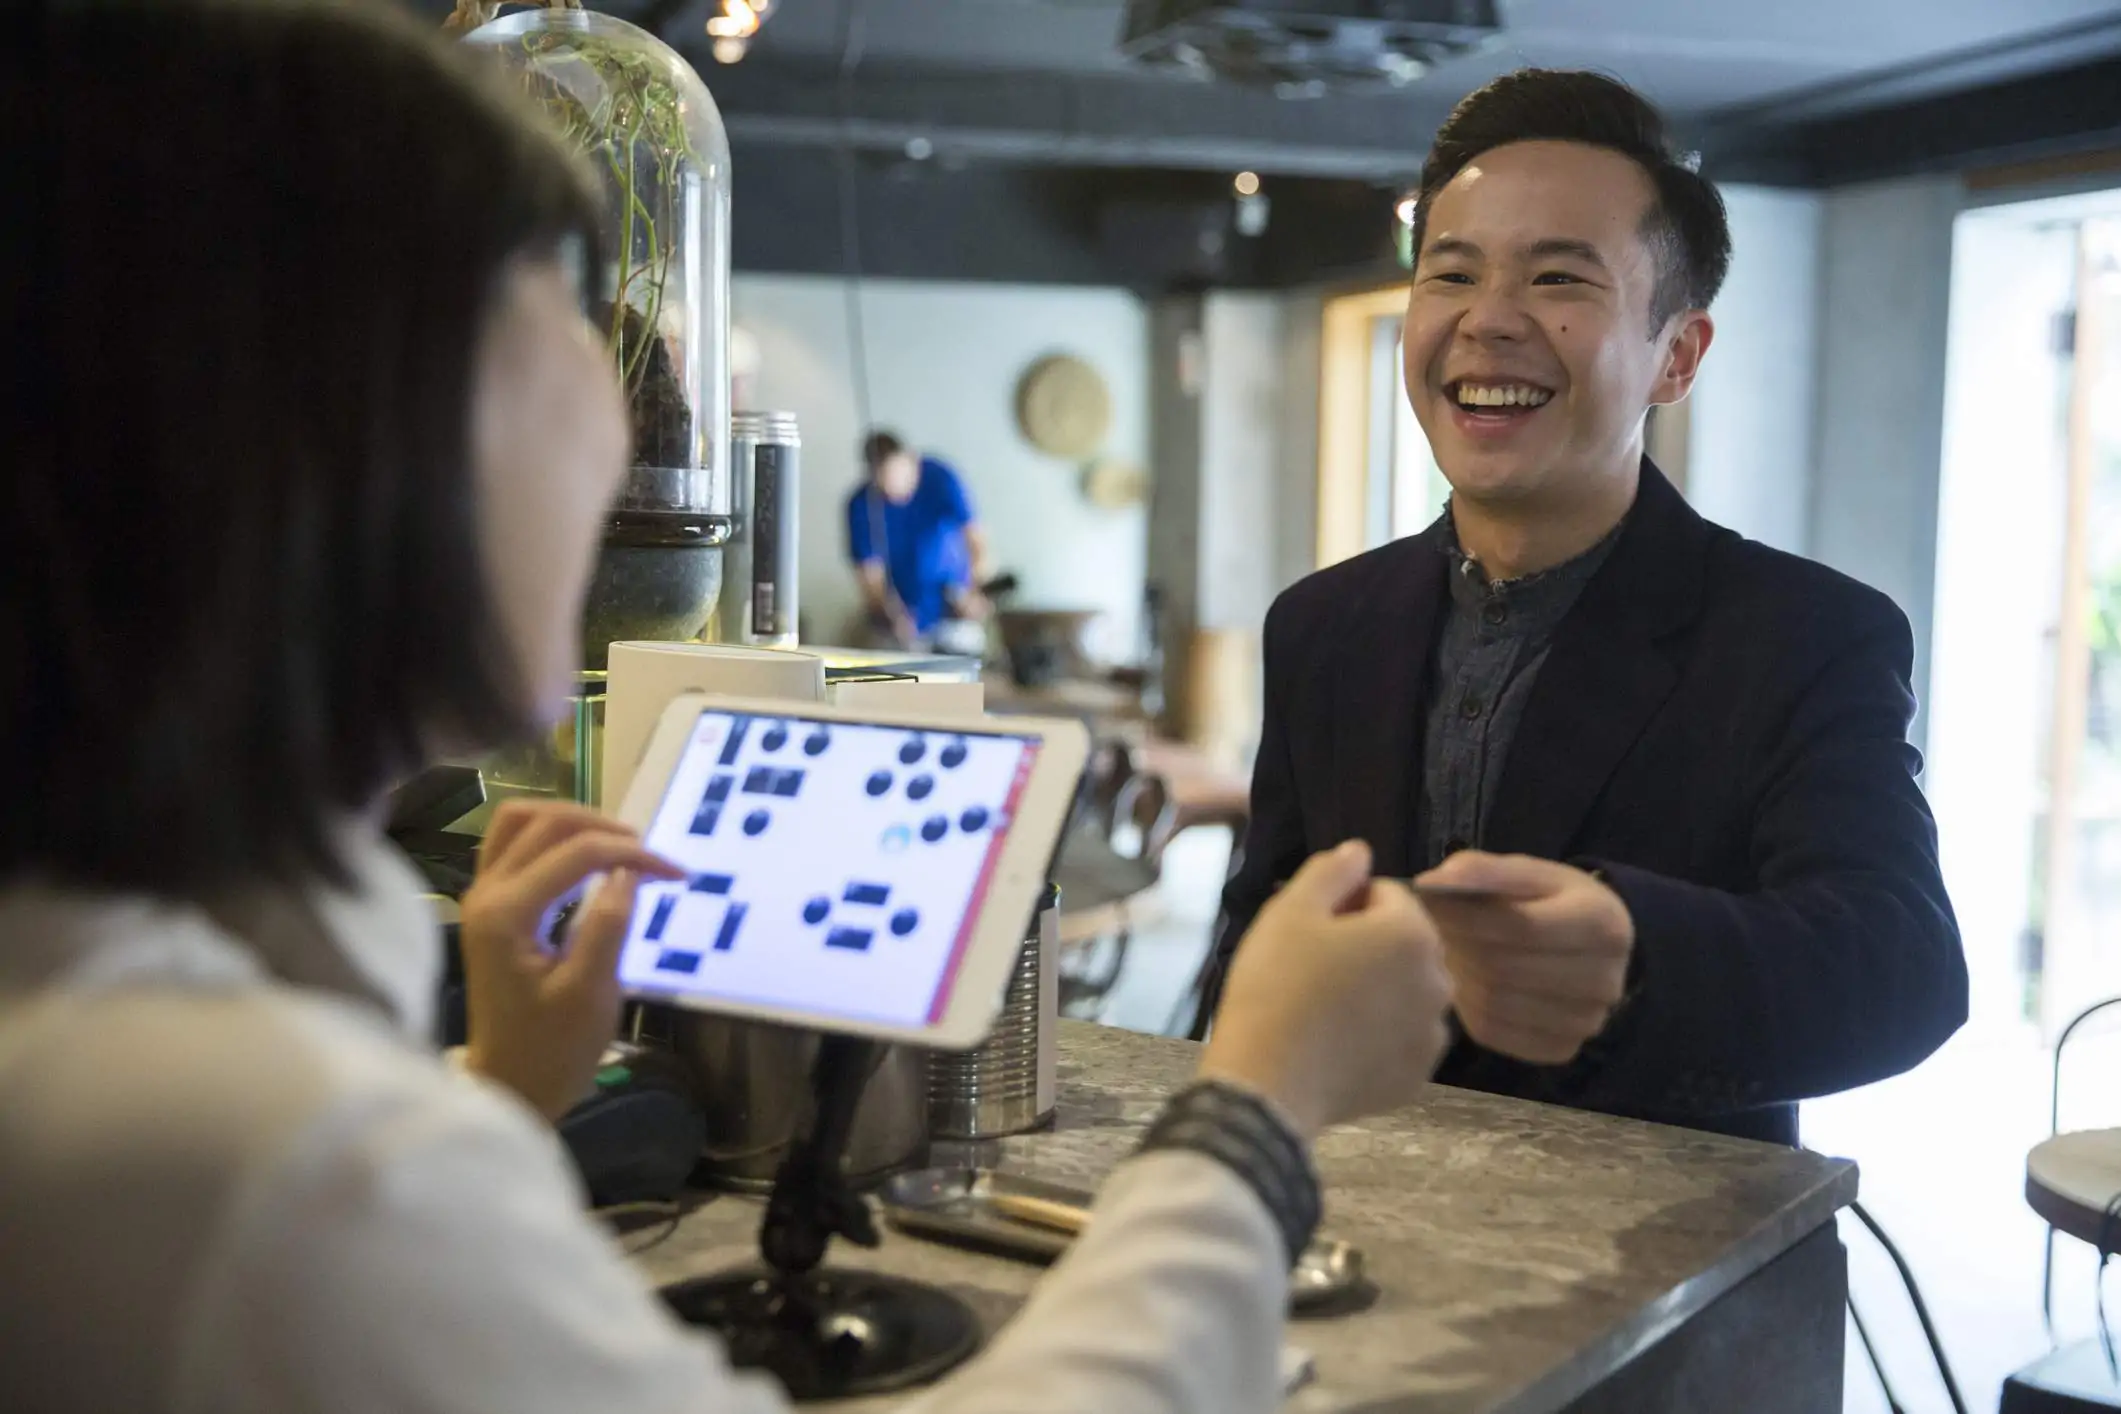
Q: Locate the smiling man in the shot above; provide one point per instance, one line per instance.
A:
(1654, 777)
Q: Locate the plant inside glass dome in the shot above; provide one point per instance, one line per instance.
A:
(627, 117)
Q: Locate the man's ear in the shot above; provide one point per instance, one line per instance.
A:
(1684, 348)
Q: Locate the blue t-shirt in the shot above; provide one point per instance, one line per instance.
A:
(922, 542)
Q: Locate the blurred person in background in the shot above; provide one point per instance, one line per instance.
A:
(917, 549)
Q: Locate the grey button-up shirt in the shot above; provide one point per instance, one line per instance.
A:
(1494, 642)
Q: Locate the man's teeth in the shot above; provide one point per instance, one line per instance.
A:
(1501, 395)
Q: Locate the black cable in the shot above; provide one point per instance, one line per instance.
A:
(1922, 1310)
(850, 57)
(2105, 1244)
(658, 1217)
(1892, 1401)
(849, 45)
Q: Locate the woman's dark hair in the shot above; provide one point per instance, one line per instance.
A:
(240, 553)
(879, 447)
(1687, 229)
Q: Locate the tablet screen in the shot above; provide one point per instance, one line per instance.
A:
(836, 868)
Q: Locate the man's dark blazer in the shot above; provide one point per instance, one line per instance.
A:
(1721, 730)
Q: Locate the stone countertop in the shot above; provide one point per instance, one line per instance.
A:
(1521, 1253)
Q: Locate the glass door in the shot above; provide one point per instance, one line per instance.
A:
(2074, 941)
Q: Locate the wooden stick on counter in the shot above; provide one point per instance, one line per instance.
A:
(1040, 1212)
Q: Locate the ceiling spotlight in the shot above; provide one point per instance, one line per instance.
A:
(1405, 209)
(1247, 184)
(729, 50)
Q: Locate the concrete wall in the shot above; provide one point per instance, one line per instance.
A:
(1240, 454)
(1176, 383)
(1232, 522)
(1296, 470)
(1816, 424)
(1885, 291)
(1751, 416)
(944, 360)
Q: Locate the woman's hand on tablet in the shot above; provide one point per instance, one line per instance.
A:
(1335, 1003)
(541, 1016)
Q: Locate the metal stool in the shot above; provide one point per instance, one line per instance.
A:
(2070, 1181)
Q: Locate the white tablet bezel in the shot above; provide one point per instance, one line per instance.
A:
(1019, 878)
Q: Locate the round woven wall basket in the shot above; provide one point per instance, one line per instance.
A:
(1063, 407)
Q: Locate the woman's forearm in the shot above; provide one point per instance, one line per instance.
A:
(1171, 1302)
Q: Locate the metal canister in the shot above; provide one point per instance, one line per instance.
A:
(1008, 1083)
(759, 595)
(752, 1082)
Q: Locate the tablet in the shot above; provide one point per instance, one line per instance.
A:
(849, 870)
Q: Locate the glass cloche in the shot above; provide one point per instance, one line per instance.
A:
(655, 139)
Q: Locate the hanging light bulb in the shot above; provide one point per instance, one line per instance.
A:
(737, 19)
(733, 25)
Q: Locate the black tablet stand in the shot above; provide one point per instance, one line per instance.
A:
(825, 1333)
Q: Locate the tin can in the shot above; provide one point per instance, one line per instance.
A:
(1009, 1083)
(759, 594)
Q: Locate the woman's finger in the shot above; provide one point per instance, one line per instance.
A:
(1329, 880)
(544, 880)
(599, 930)
(554, 826)
(522, 828)
(509, 818)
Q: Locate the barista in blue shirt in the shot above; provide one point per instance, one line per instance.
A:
(915, 543)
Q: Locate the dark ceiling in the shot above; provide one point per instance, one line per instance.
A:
(1011, 139)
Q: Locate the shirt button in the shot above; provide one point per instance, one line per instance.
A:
(1470, 707)
(1495, 613)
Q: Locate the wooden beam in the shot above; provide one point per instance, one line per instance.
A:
(2069, 959)
(1345, 350)
(2045, 170)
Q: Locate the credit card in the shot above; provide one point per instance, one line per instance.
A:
(1450, 893)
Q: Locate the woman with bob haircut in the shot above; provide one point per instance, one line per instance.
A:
(305, 479)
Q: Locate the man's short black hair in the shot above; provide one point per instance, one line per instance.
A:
(879, 447)
(1687, 230)
(238, 540)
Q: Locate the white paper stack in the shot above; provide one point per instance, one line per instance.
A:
(646, 676)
